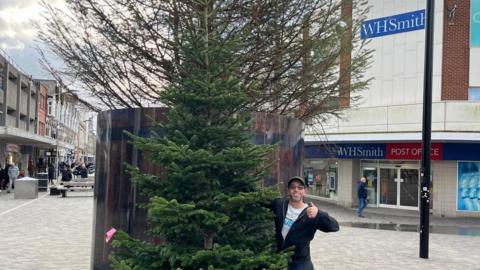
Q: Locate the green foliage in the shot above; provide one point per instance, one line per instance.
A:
(207, 209)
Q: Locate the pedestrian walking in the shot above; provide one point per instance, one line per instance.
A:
(296, 224)
(3, 183)
(51, 173)
(5, 175)
(362, 196)
(13, 173)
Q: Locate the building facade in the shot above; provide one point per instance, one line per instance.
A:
(381, 137)
(42, 109)
(19, 101)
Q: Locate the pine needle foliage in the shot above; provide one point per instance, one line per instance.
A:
(206, 210)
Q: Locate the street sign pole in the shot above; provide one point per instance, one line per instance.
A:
(426, 132)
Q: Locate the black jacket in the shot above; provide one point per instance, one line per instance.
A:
(361, 190)
(302, 231)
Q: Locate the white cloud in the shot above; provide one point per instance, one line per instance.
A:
(8, 45)
(17, 31)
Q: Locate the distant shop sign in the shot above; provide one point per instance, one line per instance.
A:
(347, 151)
(394, 151)
(413, 151)
(401, 23)
(13, 148)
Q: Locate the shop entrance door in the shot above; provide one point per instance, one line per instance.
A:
(399, 187)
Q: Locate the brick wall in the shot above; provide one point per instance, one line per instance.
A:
(456, 51)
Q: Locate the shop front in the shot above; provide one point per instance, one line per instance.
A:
(392, 171)
(392, 184)
(12, 153)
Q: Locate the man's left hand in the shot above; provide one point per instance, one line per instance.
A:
(312, 211)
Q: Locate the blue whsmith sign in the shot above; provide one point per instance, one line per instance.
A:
(405, 22)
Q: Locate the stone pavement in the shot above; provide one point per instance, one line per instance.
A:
(357, 248)
(56, 233)
(395, 216)
(50, 232)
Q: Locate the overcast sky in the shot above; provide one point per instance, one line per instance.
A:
(17, 33)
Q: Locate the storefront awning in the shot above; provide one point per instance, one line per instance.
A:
(21, 137)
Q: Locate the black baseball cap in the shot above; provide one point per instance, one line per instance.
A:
(298, 179)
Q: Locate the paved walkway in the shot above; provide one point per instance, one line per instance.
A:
(395, 216)
(47, 233)
(356, 248)
(55, 233)
(353, 248)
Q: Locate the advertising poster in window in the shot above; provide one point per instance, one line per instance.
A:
(468, 195)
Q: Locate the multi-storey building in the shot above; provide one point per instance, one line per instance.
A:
(19, 136)
(64, 123)
(381, 137)
(42, 109)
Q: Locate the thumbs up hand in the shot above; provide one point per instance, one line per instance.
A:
(312, 211)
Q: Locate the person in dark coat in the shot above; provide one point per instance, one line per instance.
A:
(6, 178)
(67, 174)
(296, 224)
(362, 196)
(83, 171)
(2, 178)
(51, 173)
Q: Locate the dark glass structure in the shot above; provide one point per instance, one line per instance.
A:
(116, 198)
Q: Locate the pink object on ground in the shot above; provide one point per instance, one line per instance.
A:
(109, 234)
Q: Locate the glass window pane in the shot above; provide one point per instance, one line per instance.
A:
(321, 176)
(370, 173)
(388, 186)
(474, 94)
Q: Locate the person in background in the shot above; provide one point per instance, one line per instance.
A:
(83, 171)
(67, 174)
(2, 179)
(51, 173)
(5, 175)
(13, 173)
(362, 196)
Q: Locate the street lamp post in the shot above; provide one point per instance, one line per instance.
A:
(426, 132)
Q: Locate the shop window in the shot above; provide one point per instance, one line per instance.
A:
(321, 176)
(468, 193)
(370, 173)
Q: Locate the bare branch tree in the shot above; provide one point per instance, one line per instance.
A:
(125, 52)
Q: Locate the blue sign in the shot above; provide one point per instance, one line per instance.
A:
(451, 151)
(347, 151)
(461, 151)
(475, 23)
(405, 22)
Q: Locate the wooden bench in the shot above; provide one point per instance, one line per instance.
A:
(63, 187)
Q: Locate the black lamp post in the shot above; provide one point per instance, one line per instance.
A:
(426, 132)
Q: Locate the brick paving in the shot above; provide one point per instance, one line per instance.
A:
(47, 233)
(56, 233)
(356, 248)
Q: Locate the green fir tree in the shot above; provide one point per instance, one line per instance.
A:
(206, 210)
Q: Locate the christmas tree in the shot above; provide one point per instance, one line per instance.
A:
(207, 209)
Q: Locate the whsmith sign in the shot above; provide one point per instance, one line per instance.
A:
(394, 151)
(405, 22)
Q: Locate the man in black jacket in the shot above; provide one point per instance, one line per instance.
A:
(362, 196)
(296, 224)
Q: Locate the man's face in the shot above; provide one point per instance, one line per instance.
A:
(296, 191)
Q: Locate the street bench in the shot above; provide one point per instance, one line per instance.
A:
(63, 187)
